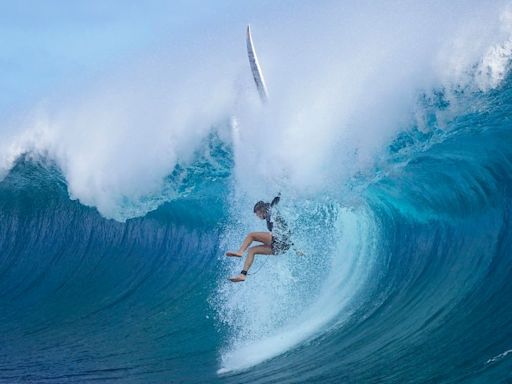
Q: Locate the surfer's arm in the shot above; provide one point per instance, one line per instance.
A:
(276, 200)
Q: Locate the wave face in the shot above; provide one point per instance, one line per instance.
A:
(112, 262)
(84, 298)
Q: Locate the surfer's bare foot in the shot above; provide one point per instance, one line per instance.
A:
(238, 278)
(234, 254)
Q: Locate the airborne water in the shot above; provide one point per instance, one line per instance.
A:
(400, 196)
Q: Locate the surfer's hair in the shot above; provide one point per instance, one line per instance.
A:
(261, 206)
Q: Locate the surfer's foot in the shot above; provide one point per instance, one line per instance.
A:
(234, 254)
(238, 278)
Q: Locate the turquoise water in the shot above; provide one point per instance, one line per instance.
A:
(406, 276)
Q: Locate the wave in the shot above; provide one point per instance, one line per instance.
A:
(74, 285)
(405, 265)
(112, 268)
(419, 270)
(417, 265)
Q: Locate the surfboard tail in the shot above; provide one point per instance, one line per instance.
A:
(257, 73)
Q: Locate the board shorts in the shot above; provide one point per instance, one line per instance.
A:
(279, 245)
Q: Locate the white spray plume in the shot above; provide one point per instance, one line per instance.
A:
(343, 79)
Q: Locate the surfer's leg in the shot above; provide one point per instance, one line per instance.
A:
(262, 237)
(257, 250)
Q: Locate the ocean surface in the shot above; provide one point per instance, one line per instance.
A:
(406, 275)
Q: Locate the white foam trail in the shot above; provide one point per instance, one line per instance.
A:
(499, 357)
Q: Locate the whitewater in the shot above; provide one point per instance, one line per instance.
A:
(387, 133)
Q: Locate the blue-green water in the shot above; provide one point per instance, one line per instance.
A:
(408, 282)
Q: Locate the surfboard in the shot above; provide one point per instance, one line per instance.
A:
(257, 74)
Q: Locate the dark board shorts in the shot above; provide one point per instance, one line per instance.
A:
(279, 245)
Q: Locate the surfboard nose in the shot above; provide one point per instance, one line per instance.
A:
(257, 73)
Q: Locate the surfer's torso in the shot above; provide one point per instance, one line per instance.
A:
(280, 232)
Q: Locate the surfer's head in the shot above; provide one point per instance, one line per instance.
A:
(261, 209)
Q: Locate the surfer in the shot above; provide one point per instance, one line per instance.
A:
(274, 242)
(277, 239)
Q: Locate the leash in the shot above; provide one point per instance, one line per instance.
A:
(297, 252)
(261, 266)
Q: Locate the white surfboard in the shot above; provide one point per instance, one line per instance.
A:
(255, 68)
